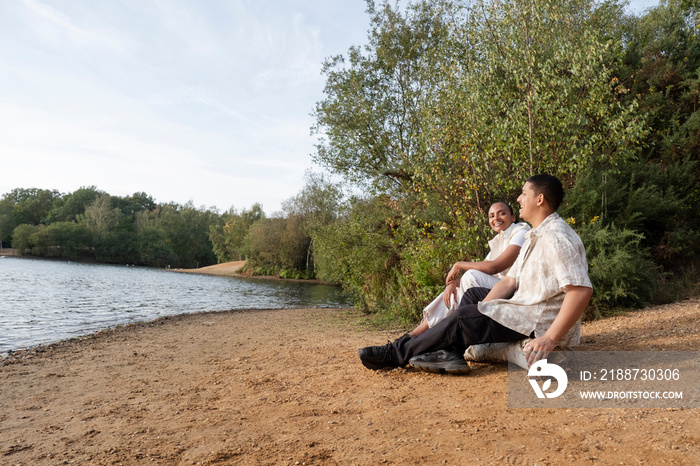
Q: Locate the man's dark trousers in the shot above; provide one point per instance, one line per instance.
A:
(466, 326)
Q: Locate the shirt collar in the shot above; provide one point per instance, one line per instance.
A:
(544, 226)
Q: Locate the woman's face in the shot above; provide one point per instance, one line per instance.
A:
(500, 217)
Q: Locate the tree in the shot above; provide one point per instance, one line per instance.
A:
(7, 222)
(137, 202)
(660, 66)
(22, 238)
(71, 206)
(69, 240)
(32, 206)
(100, 216)
(314, 207)
(452, 105)
(534, 93)
(154, 250)
(186, 232)
(264, 239)
(371, 115)
(228, 233)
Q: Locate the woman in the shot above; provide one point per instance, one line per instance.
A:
(504, 249)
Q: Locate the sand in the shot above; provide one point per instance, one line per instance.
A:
(286, 387)
(225, 269)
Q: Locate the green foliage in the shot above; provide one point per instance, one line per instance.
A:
(620, 270)
(31, 206)
(294, 274)
(448, 108)
(71, 206)
(185, 230)
(68, 240)
(154, 250)
(22, 238)
(358, 251)
(371, 116)
(131, 230)
(118, 246)
(228, 233)
(640, 227)
(533, 93)
(7, 221)
(661, 63)
(659, 201)
(264, 240)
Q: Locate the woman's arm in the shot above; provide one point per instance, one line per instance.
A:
(499, 264)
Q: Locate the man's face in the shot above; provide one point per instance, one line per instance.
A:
(528, 202)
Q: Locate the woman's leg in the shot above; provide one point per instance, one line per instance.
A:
(422, 327)
(473, 279)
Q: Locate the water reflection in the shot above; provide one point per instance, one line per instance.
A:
(43, 301)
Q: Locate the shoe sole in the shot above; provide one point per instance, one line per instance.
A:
(438, 367)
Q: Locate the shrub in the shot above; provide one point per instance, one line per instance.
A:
(620, 270)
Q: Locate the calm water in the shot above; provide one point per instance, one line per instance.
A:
(46, 301)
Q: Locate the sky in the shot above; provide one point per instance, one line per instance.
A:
(202, 101)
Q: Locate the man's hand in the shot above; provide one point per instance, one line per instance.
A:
(572, 308)
(450, 291)
(539, 348)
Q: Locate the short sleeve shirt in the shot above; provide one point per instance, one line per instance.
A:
(552, 258)
(513, 235)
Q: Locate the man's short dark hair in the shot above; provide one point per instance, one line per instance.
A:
(550, 187)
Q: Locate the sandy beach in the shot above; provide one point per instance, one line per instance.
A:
(286, 387)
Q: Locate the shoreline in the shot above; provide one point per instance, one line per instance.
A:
(226, 269)
(286, 387)
(230, 269)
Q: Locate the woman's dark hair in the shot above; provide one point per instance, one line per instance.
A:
(550, 187)
(510, 209)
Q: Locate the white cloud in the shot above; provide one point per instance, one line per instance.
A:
(185, 100)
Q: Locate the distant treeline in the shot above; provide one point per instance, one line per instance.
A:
(448, 107)
(89, 224)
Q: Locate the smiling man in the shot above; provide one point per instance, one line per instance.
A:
(542, 297)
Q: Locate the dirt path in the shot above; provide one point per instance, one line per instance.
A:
(286, 387)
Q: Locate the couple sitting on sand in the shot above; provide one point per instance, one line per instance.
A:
(542, 294)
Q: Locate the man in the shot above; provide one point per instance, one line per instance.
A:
(543, 296)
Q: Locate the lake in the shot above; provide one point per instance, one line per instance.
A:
(44, 301)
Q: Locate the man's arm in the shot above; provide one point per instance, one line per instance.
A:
(572, 308)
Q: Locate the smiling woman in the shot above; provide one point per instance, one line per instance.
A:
(504, 249)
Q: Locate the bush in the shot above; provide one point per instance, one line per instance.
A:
(620, 270)
(660, 201)
(359, 252)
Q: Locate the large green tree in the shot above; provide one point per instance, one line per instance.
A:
(452, 105)
(72, 205)
(371, 115)
(533, 93)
